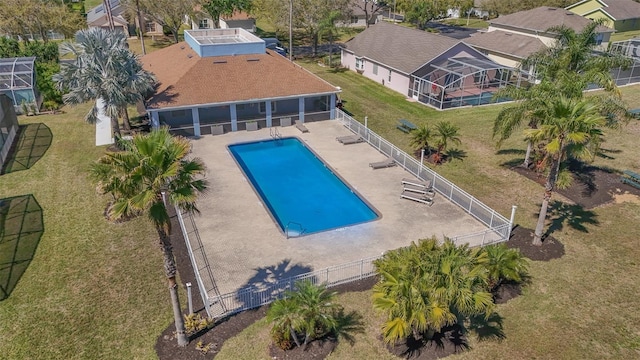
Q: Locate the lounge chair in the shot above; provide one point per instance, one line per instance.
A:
(415, 182)
(417, 197)
(343, 138)
(420, 190)
(300, 126)
(353, 139)
(383, 164)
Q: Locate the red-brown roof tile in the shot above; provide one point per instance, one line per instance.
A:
(186, 79)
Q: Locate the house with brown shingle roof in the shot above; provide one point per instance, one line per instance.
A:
(430, 68)
(537, 22)
(505, 47)
(218, 80)
(621, 15)
(514, 37)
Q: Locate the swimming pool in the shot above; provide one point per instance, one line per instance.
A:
(302, 193)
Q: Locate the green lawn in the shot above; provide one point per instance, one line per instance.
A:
(582, 306)
(94, 290)
(470, 23)
(620, 36)
(90, 4)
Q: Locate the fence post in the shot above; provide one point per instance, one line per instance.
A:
(513, 215)
(327, 278)
(189, 298)
(361, 267)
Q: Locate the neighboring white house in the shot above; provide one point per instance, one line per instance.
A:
(477, 11)
(357, 16)
(97, 17)
(220, 80)
(431, 68)
(238, 19)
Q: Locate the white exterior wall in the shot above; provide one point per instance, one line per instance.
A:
(399, 81)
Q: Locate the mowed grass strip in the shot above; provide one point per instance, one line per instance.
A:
(582, 306)
(94, 290)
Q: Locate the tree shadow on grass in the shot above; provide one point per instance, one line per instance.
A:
(456, 154)
(604, 153)
(349, 324)
(511, 152)
(487, 328)
(21, 227)
(574, 216)
(33, 141)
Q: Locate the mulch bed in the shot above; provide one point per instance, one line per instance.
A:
(591, 187)
(522, 238)
(445, 343)
(315, 350)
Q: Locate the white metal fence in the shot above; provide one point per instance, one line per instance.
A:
(217, 305)
(495, 222)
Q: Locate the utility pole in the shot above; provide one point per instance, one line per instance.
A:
(107, 8)
(290, 30)
(141, 26)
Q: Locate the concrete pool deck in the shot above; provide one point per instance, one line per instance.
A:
(245, 246)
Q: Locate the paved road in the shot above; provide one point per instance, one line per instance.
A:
(456, 32)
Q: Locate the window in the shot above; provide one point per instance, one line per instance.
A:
(203, 24)
(150, 26)
(389, 75)
(359, 63)
(263, 107)
(375, 69)
(354, 19)
(599, 39)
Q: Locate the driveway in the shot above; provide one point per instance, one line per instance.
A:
(456, 32)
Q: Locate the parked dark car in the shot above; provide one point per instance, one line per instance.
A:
(275, 45)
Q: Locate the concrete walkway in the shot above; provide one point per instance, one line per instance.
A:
(246, 247)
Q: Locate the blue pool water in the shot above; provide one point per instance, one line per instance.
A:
(299, 190)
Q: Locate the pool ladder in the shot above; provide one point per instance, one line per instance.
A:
(275, 133)
(299, 233)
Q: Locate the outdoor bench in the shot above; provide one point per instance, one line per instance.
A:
(405, 126)
(631, 178)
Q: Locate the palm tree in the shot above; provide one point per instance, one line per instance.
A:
(311, 311)
(421, 137)
(104, 71)
(565, 69)
(153, 169)
(569, 126)
(446, 133)
(504, 264)
(427, 286)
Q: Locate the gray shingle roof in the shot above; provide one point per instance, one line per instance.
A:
(622, 9)
(507, 43)
(399, 47)
(543, 18)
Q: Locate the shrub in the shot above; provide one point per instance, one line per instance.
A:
(195, 322)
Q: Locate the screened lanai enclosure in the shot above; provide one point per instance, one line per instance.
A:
(630, 75)
(463, 81)
(18, 81)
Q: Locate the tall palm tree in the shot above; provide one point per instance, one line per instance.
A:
(566, 69)
(105, 71)
(154, 168)
(569, 126)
